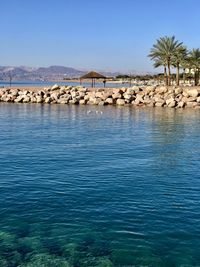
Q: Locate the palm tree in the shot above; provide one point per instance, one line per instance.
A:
(165, 48)
(179, 56)
(185, 65)
(194, 62)
(161, 63)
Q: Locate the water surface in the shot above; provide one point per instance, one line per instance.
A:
(99, 186)
(64, 83)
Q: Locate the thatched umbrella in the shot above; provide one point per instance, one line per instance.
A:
(93, 75)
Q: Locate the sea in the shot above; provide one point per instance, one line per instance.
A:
(61, 83)
(91, 186)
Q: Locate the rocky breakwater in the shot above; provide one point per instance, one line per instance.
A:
(152, 96)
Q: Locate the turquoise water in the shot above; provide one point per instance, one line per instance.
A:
(99, 186)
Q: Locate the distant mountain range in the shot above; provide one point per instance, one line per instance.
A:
(44, 73)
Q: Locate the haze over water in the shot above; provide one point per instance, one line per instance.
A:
(99, 186)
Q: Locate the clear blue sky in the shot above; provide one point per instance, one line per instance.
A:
(91, 34)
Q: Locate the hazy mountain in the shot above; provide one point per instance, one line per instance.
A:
(43, 73)
(58, 71)
(47, 73)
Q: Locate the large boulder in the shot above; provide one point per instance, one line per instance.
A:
(161, 90)
(26, 99)
(82, 102)
(109, 101)
(128, 96)
(139, 99)
(178, 90)
(159, 104)
(170, 100)
(55, 87)
(198, 99)
(193, 92)
(120, 102)
(172, 104)
(181, 104)
(18, 99)
(117, 96)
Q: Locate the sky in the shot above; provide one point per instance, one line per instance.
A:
(111, 35)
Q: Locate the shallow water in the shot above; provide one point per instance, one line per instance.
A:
(99, 186)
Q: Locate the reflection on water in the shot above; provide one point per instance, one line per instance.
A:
(99, 186)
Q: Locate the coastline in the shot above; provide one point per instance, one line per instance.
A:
(151, 96)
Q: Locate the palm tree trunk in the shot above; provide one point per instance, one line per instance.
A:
(184, 74)
(177, 74)
(165, 76)
(169, 72)
(196, 77)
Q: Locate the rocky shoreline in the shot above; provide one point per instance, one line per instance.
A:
(151, 96)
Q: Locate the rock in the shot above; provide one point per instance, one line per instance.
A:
(55, 87)
(5, 98)
(74, 94)
(39, 99)
(14, 92)
(117, 96)
(161, 90)
(55, 96)
(102, 103)
(109, 101)
(160, 104)
(128, 96)
(74, 101)
(169, 100)
(185, 93)
(193, 92)
(87, 97)
(18, 99)
(63, 101)
(151, 104)
(41, 93)
(189, 99)
(98, 94)
(82, 89)
(139, 99)
(191, 104)
(172, 104)
(181, 104)
(120, 102)
(106, 95)
(158, 99)
(47, 100)
(178, 91)
(81, 95)
(130, 91)
(33, 100)
(95, 101)
(150, 89)
(147, 99)
(26, 99)
(82, 102)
